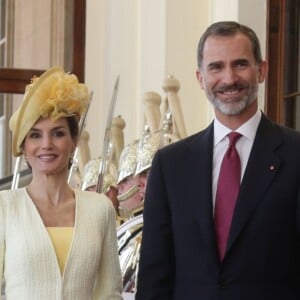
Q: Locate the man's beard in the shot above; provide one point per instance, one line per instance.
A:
(232, 107)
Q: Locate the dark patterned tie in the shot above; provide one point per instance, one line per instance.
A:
(227, 192)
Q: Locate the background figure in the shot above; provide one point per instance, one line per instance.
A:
(130, 201)
(56, 242)
(131, 212)
(90, 179)
(130, 233)
(254, 254)
(147, 147)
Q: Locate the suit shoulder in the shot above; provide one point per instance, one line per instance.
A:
(290, 131)
(275, 128)
(288, 134)
(275, 136)
(182, 144)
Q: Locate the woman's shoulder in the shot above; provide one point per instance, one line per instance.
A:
(11, 196)
(10, 201)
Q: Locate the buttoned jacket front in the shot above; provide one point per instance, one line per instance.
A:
(179, 258)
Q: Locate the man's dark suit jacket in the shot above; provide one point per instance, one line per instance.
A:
(179, 258)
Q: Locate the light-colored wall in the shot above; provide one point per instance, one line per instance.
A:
(184, 25)
(144, 41)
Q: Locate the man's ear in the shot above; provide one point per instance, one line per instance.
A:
(199, 78)
(263, 71)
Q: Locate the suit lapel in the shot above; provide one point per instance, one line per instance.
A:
(263, 164)
(199, 159)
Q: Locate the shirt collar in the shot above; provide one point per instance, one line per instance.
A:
(248, 129)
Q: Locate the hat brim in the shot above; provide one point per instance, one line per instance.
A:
(28, 114)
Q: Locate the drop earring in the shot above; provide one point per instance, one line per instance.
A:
(71, 160)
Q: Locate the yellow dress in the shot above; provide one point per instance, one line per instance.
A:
(61, 238)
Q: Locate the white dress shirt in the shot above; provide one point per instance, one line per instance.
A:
(243, 146)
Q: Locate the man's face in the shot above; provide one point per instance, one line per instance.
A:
(129, 187)
(126, 184)
(142, 182)
(229, 73)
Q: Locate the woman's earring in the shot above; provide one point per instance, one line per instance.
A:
(71, 160)
(26, 162)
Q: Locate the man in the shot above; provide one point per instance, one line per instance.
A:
(90, 180)
(130, 201)
(131, 210)
(137, 158)
(135, 161)
(184, 254)
(147, 147)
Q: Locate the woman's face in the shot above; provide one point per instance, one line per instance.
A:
(48, 146)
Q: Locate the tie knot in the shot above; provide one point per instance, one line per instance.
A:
(233, 137)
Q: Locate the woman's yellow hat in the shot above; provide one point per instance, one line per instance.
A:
(54, 94)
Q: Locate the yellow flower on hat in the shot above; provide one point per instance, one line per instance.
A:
(54, 94)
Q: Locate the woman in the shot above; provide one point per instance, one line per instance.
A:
(55, 242)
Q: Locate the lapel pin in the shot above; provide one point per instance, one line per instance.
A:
(272, 167)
